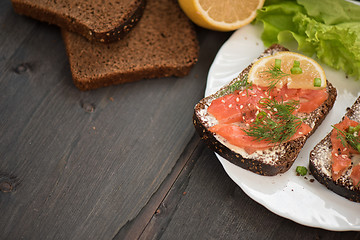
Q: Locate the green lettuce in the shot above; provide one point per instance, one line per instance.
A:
(328, 28)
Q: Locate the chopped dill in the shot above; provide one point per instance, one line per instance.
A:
(241, 83)
(274, 74)
(348, 139)
(276, 122)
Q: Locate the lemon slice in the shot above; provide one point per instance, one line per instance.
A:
(297, 71)
(223, 15)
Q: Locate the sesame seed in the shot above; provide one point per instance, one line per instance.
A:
(230, 105)
(237, 99)
(336, 155)
(241, 106)
(223, 101)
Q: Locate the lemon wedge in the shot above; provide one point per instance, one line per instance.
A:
(224, 15)
(293, 69)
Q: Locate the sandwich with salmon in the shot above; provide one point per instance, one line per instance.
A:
(335, 160)
(261, 120)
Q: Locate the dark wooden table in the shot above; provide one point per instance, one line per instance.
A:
(121, 162)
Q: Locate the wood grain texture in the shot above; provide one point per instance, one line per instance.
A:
(205, 203)
(88, 162)
(134, 228)
(117, 163)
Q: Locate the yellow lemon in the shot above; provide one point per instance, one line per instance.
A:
(221, 15)
(288, 68)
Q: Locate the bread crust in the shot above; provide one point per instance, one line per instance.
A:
(286, 153)
(115, 78)
(320, 163)
(96, 30)
(153, 49)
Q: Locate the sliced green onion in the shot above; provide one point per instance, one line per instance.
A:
(301, 170)
(278, 63)
(296, 68)
(317, 82)
(351, 129)
(354, 129)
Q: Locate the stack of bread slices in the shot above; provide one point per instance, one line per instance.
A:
(117, 41)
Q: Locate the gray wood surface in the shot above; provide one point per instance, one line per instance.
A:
(206, 204)
(122, 162)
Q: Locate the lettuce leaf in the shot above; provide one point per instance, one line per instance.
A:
(331, 11)
(328, 28)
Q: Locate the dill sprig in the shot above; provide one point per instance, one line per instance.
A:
(239, 84)
(348, 138)
(276, 123)
(274, 74)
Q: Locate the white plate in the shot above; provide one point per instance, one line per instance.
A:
(288, 195)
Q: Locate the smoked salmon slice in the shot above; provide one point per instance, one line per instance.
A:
(236, 136)
(241, 108)
(341, 155)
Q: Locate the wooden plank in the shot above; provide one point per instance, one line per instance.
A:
(205, 203)
(14, 31)
(134, 228)
(87, 162)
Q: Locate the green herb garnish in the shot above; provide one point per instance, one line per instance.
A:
(241, 83)
(355, 129)
(317, 82)
(296, 68)
(349, 137)
(278, 63)
(301, 170)
(274, 75)
(276, 122)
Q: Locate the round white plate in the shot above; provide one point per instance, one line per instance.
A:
(288, 195)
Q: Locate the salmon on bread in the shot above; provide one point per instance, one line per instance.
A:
(228, 120)
(335, 160)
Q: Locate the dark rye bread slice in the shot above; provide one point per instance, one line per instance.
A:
(97, 20)
(163, 44)
(320, 163)
(267, 162)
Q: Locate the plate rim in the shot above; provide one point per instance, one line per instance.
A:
(256, 29)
